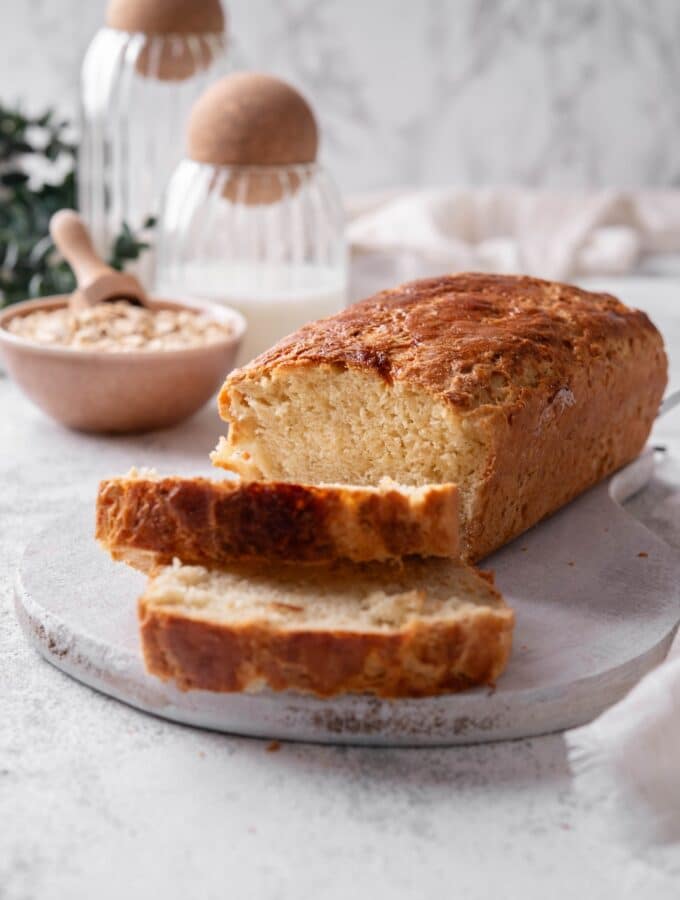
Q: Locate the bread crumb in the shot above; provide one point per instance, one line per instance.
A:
(643, 554)
(273, 747)
(572, 563)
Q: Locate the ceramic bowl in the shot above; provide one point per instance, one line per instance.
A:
(97, 391)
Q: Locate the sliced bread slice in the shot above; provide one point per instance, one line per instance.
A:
(148, 521)
(415, 629)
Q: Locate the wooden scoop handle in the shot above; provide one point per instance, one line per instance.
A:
(97, 282)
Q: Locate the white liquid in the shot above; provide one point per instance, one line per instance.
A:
(275, 300)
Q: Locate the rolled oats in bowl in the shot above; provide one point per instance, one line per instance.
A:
(119, 327)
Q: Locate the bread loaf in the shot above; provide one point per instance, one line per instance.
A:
(522, 392)
(147, 521)
(395, 630)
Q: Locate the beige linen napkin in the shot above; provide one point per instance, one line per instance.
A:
(546, 233)
(627, 761)
(634, 748)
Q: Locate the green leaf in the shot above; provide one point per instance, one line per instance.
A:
(29, 263)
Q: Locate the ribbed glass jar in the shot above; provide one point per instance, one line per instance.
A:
(266, 240)
(136, 94)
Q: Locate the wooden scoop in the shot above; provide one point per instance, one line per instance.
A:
(97, 282)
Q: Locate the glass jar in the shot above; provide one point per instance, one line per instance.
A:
(137, 91)
(266, 240)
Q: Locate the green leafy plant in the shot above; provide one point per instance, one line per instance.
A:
(37, 177)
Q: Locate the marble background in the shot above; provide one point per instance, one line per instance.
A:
(567, 93)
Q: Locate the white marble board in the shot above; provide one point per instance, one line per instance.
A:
(597, 598)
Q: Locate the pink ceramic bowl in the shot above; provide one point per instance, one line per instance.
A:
(97, 391)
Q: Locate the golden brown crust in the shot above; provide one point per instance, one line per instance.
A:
(552, 449)
(150, 521)
(420, 659)
(473, 339)
(558, 387)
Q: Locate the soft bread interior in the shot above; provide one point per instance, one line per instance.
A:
(418, 494)
(341, 425)
(327, 424)
(373, 597)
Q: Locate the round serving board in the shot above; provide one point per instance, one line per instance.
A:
(597, 598)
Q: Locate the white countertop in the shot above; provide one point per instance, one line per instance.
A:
(99, 800)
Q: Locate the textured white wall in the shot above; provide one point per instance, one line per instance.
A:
(570, 92)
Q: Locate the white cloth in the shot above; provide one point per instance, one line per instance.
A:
(545, 233)
(628, 762)
(639, 739)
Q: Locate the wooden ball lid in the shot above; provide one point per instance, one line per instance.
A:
(177, 35)
(252, 119)
(166, 16)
